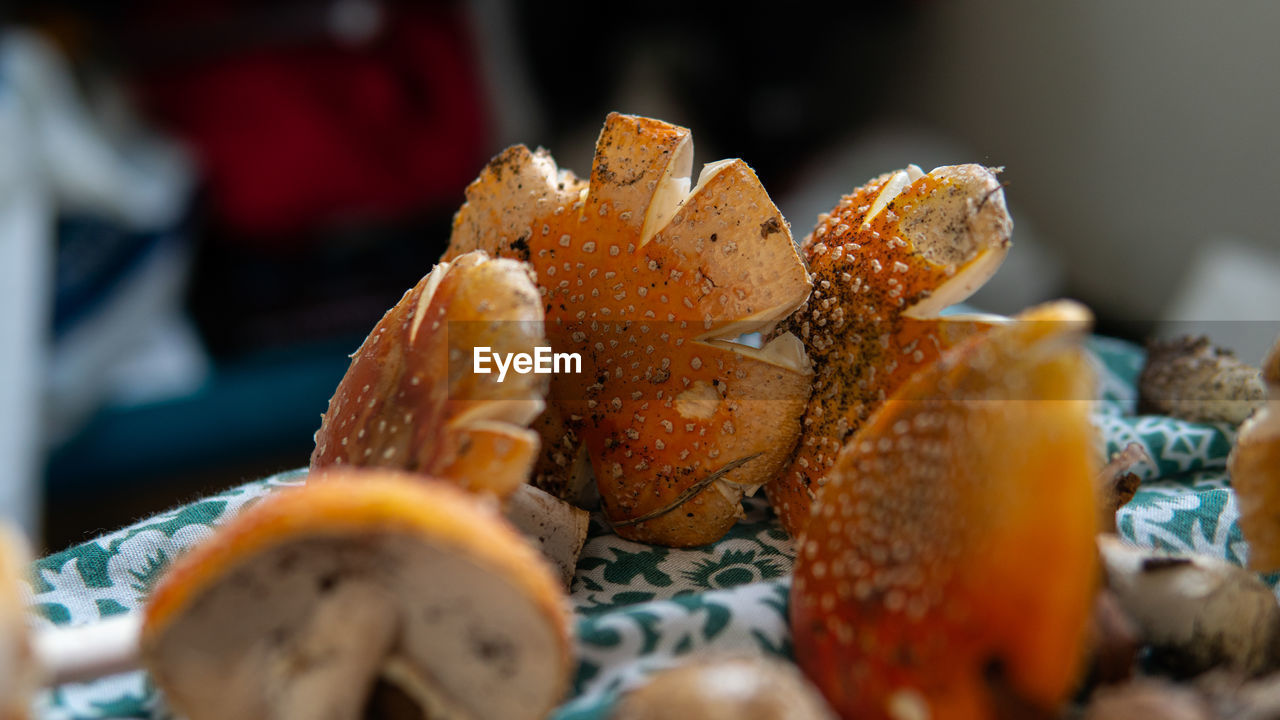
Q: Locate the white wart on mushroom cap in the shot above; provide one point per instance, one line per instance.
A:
(1197, 612)
(1193, 379)
(413, 597)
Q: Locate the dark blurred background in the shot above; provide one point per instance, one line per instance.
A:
(205, 206)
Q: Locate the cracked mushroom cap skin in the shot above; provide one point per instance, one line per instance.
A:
(885, 261)
(368, 588)
(931, 581)
(650, 281)
(18, 673)
(410, 401)
(1254, 466)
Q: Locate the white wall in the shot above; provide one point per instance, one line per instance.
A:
(1135, 133)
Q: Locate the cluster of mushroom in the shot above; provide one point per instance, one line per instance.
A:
(908, 453)
(390, 585)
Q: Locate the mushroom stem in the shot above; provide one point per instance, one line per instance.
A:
(86, 652)
(343, 648)
(556, 527)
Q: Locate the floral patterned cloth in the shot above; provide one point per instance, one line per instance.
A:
(638, 608)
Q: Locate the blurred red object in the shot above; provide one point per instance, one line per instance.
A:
(298, 128)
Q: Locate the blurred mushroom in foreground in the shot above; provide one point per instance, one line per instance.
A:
(725, 688)
(1196, 612)
(351, 597)
(930, 581)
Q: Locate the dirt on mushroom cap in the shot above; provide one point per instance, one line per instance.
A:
(886, 259)
(409, 400)
(648, 284)
(929, 567)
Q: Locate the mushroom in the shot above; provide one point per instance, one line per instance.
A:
(1196, 612)
(725, 688)
(651, 282)
(1193, 379)
(410, 399)
(885, 261)
(353, 597)
(1254, 466)
(558, 528)
(930, 580)
(19, 675)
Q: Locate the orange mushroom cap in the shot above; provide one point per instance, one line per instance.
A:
(410, 400)
(950, 558)
(650, 282)
(884, 262)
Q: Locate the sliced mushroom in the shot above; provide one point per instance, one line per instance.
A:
(1254, 465)
(410, 399)
(930, 580)
(726, 688)
(1193, 379)
(886, 260)
(19, 675)
(650, 282)
(349, 597)
(1195, 611)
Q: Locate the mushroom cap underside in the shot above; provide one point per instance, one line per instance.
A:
(885, 261)
(474, 617)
